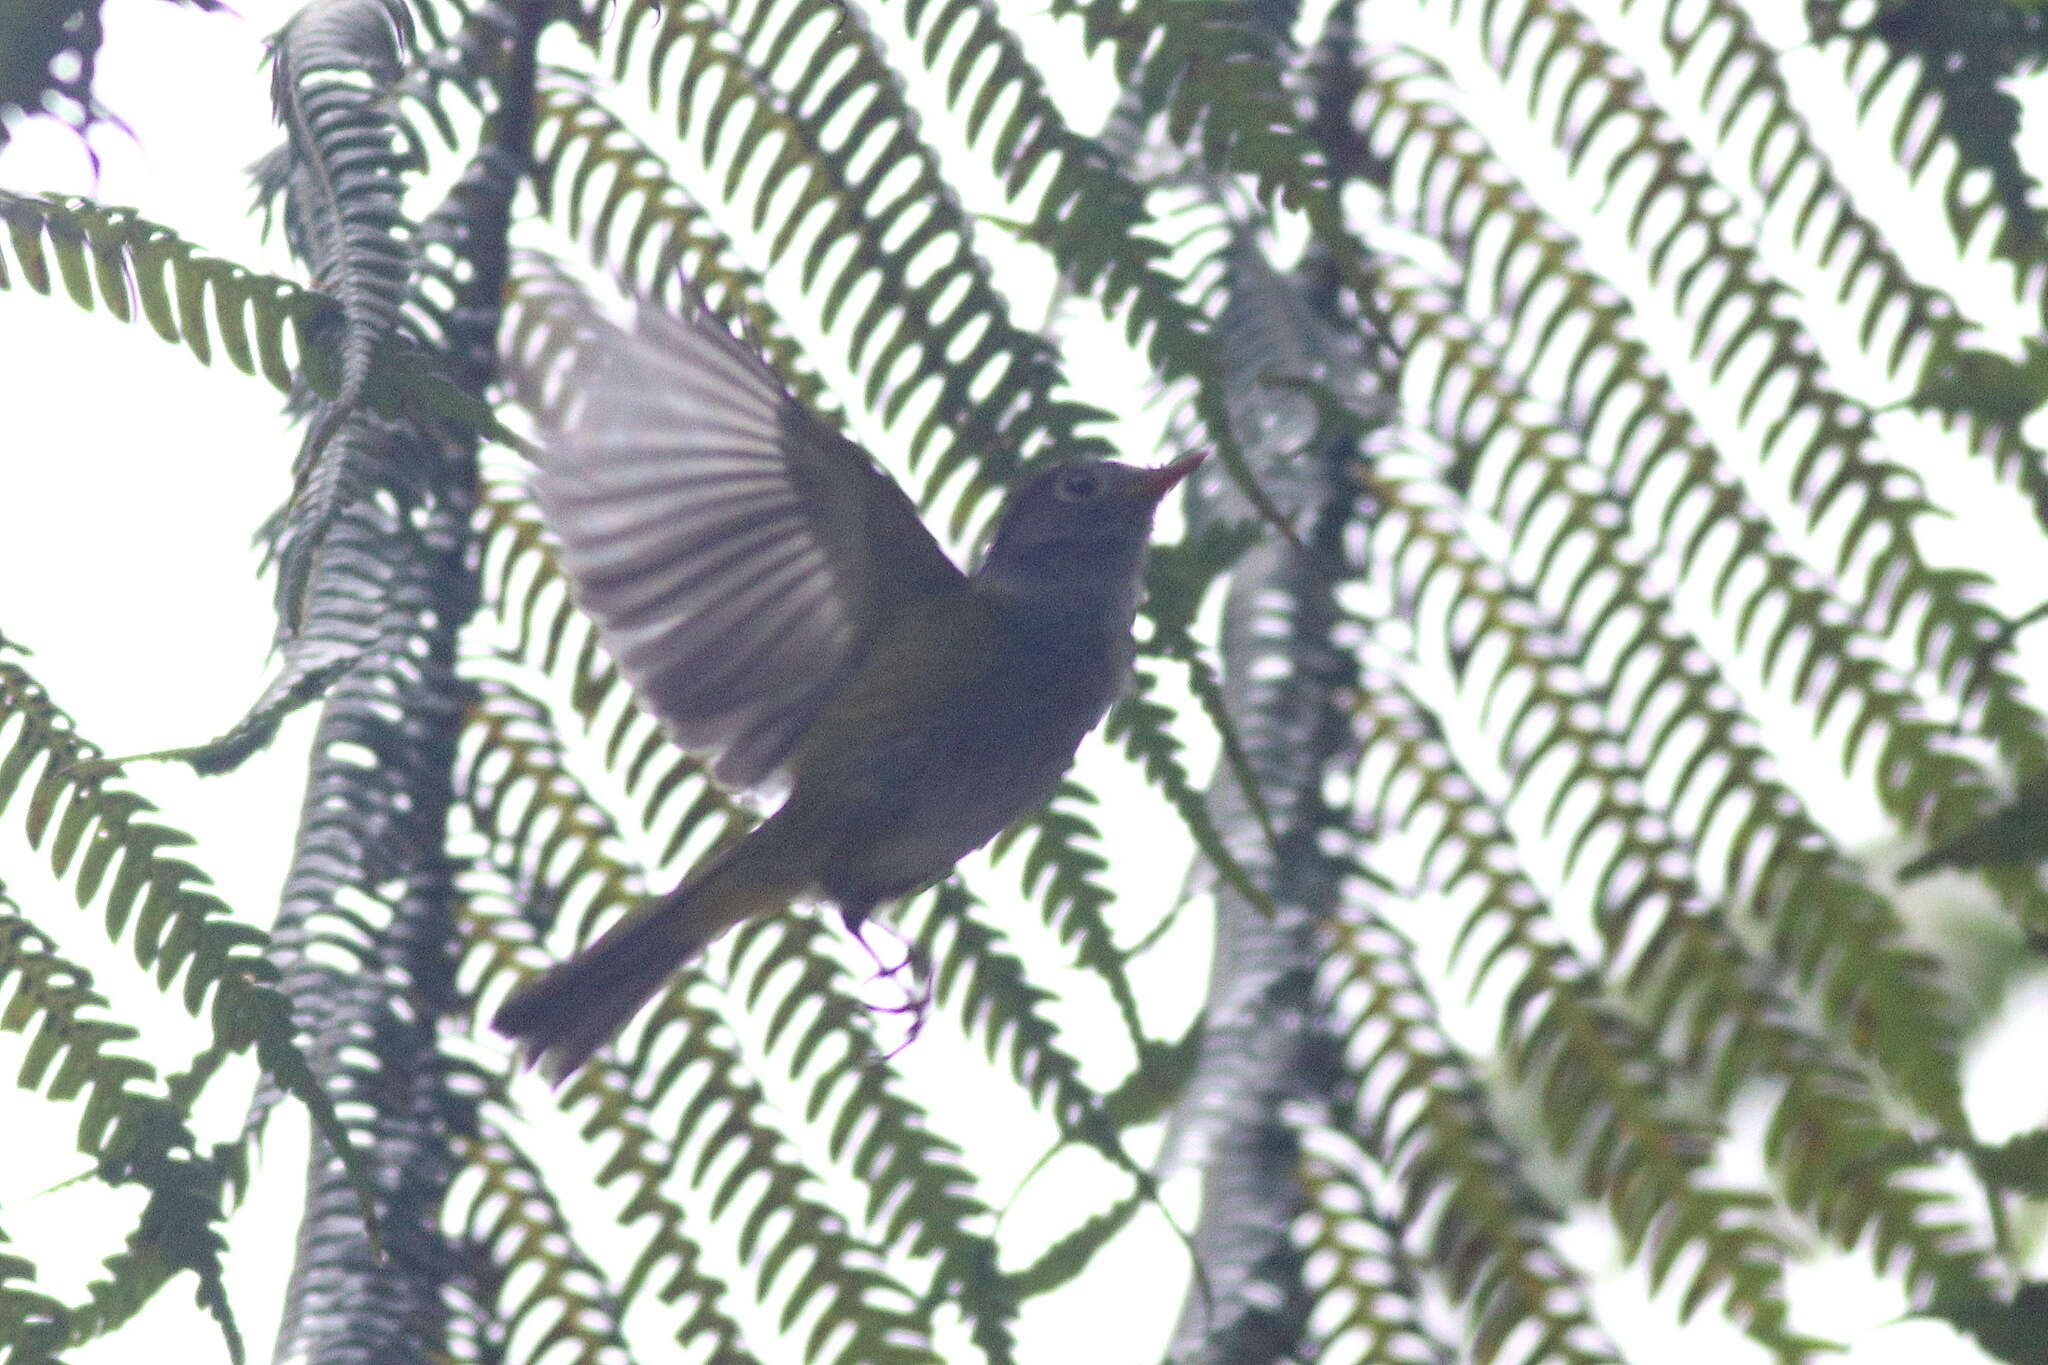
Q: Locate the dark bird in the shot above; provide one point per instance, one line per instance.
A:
(774, 599)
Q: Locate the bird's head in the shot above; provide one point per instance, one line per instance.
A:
(1073, 537)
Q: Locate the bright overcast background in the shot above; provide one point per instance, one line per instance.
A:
(133, 480)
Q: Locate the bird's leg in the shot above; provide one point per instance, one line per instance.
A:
(917, 1000)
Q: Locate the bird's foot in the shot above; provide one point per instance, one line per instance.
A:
(917, 996)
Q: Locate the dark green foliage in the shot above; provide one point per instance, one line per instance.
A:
(33, 1323)
(1558, 549)
(1961, 53)
(111, 257)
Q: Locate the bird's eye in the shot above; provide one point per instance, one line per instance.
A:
(1078, 485)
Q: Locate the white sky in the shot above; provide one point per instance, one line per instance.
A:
(125, 564)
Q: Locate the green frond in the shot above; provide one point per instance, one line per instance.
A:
(1960, 56)
(997, 1000)
(1145, 729)
(1605, 1092)
(342, 173)
(1817, 643)
(2015, 834)
(51, 1002)
(1677, 714)
(1612, 385)
(1646, 864)
(1740, 309)
(1211, 71)
(864, 209)
(1693, 975)
(177, 1231)
(1368, 1289)
(100, 840)
(669, 1263)
(1417, 1109)
(34, 1325)
(1991, 397)
(1747, 92)
(114, 258)
(540, 1288)
(1059, 867)
(131, 1134)
(515, 782)
(646, 228)
(921, 1199)
(1615, 392)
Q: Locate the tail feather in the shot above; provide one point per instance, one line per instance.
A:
(576, 1007)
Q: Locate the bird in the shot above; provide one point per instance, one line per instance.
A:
(774, 599)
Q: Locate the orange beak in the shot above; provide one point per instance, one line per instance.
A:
(1157, 483)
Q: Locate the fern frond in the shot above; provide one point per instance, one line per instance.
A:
(342, 178)
(1211, 71)
(131, 1134)
(1604, 1088)
(1144, 728)
(1959, 71)
(1817, 643)
(1367, 1288)
(116, 258)
(1059, 867)
(921, 1200)
(1562, 712)
(51, 1001)
(1679, 712)
(540, 1285)
(515, 782)
(1613, 386)
(1746, 91)
(1738, 309)
(178, 928)
(1415, 1106)
(998, 1001)
(34, 1325)
(1851, 1170)
(177, 1231)
(867, 214)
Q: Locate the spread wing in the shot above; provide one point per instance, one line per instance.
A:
(738, 555)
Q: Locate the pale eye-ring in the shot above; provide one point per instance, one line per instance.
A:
(1078, 485)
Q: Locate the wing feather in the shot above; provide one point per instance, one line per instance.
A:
(738, 555)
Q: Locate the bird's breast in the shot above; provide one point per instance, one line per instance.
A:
(991, 750)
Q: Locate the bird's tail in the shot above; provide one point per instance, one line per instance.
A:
(573, 1009)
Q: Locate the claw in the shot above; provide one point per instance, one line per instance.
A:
(917, 998)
